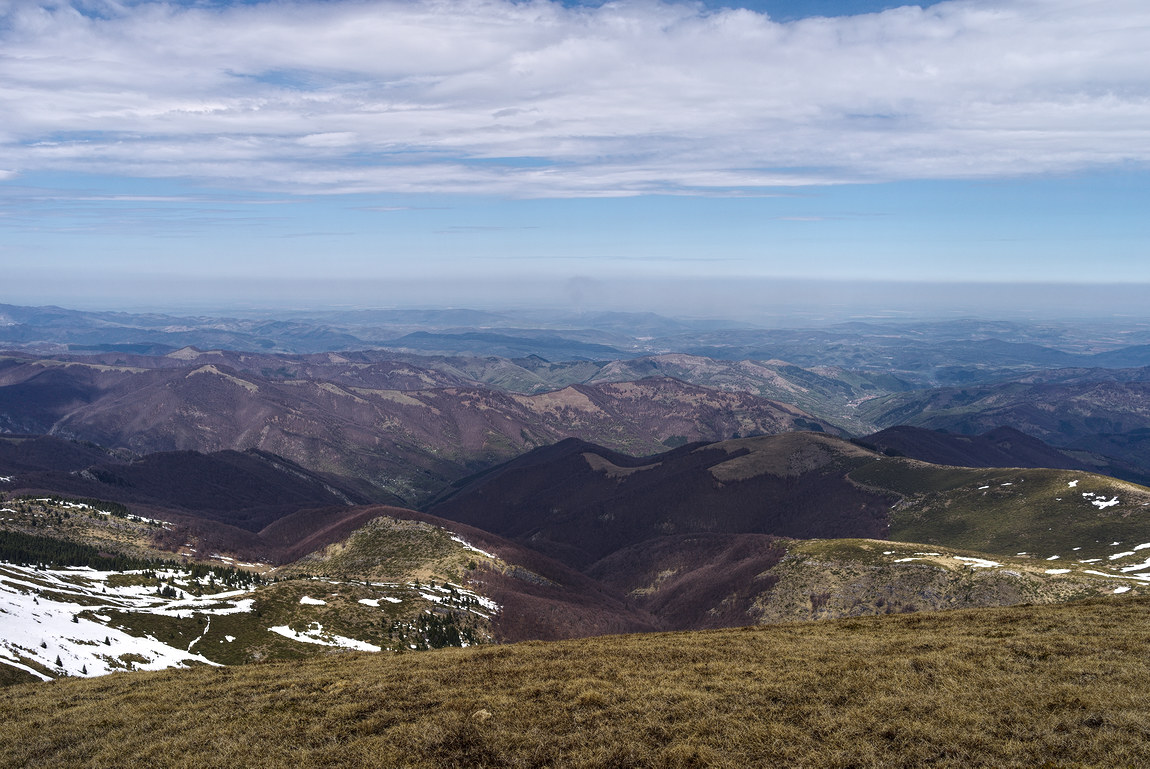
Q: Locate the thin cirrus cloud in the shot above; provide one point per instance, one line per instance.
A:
(539, 99)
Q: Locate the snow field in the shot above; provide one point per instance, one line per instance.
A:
(41, 619)
(40, 627)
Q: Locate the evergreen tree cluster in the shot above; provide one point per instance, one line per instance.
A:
(434, 631)
(229, 576)
(48, 552)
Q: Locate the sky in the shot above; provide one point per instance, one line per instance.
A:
(476, 152)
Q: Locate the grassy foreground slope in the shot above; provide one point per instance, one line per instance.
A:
(1065, 685)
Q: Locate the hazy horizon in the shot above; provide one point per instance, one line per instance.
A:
(764, 302)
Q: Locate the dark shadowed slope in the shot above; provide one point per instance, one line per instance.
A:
(244, 489)
(579, 503)
(37, 453)
(1001, 447)
(1007, 447)
(695, 581)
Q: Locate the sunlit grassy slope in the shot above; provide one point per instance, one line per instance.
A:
(1058, 686)
(1041, 513)
(1011, 510)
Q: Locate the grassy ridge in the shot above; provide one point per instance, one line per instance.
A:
(1009, 510)
(1066, 685)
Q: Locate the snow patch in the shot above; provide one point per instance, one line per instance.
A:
(471, 547)
(1058, 571)
(976, 563)
(84, 506)
(315, 634)
(306, 601)
(443, 595)
(1123, 589)
(1140, 577)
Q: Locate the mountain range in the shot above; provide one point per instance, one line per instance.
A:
(406, 442)
(241, 505)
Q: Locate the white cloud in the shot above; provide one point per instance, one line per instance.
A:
(628, 98)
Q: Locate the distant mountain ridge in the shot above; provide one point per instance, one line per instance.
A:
(408, 442)
(1072, 410)
(927, 353)
(1000, 447)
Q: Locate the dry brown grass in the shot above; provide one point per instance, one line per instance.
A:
(1062, 686)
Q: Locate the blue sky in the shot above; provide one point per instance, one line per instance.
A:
(480, 151)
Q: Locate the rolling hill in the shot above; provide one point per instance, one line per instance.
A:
(578, 502)
(722, 534)
(559, 545)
